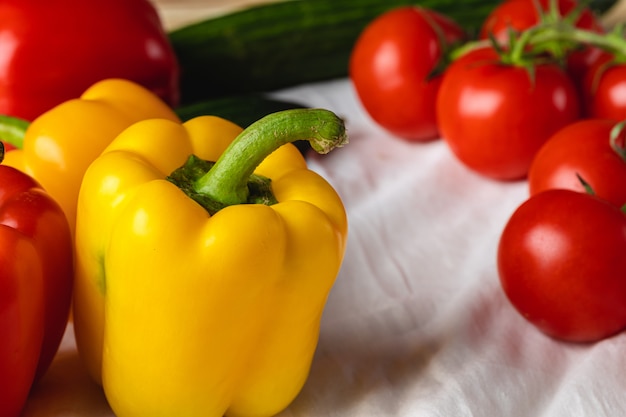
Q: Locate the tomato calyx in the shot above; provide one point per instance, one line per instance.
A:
(588, 188)
(552, 17)
(590, 191)
(548, 41)
(612, 42)
(553, 13)
(534, 46)
(618, 141)
(553, 39)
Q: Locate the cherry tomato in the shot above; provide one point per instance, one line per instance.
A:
(392, 65)
(582, 149)
(561, 264)
(495, 117)
(604, 88)
(519, 15)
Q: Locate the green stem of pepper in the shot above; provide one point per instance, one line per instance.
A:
(227, 181)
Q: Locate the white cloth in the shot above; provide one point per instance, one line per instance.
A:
(416, 324)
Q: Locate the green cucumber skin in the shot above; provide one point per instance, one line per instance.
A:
(243, 110)
(278, 45)
(281, 44)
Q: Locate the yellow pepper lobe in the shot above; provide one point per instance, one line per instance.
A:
(202, 314)
(60, 144)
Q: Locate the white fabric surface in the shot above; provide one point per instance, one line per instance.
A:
(417, 324)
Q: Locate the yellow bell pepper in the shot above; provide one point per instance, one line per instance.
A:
(59, 145)
(200, 287)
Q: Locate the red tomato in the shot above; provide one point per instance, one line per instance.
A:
(495, 117)
(391, 68)
(582, 148)
(604, 89)
(561, 264)
(523, 14)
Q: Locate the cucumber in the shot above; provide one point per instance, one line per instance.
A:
(286, 43)
(242, 110)
(290, 42)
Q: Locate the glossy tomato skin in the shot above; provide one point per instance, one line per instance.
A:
(561, 264)
(391, 66)
(582, 148)
(603, 89)
(495, 117)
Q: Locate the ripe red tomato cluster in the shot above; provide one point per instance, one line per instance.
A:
(494, 110)
(554, 120)
(561, 256)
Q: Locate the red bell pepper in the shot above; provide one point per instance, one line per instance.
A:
(36, 278)
(54, 50)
